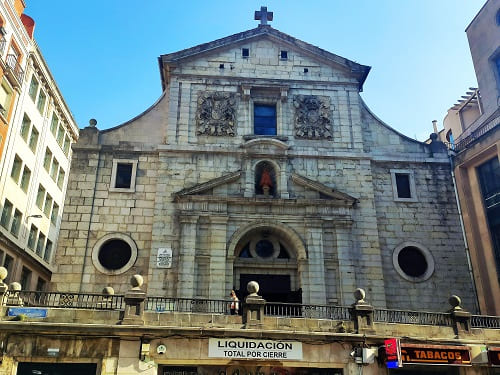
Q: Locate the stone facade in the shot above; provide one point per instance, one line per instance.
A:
(330, 219)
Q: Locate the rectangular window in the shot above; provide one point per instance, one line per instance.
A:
(7, 263)
(40, 285)
(25, 278)
(66, 145)
(264, 119)
(54, 170)
(25, 179)
(60, 135)
(47, 207)
(16, 223)
(33, 88)
(42, 98)
(25, 127)
(16, 168)
(6, 213)
(33, 139)
(5, 98)
(60, 178)
(55, 214)
(283, 55)
(40, 196)
(245, 52)
(123, 175)
(40, 244)
(32, 237)
(53, 124)
(47, 159)
(48, 251)
(403, 185)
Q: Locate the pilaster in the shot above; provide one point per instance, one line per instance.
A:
(317, 287)
(218, 230)
(185, 285)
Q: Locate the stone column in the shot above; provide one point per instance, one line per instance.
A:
(347, 273)
(249, 178)
(187, 266)
(218, 230)
(317, 287)
(283, 180)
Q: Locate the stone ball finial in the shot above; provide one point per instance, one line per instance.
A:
(455, 302)
(3, 274)
(136, 281)
(15, 286)
(433, 137)
(109, 291)
(93, 122)
(253, 287)
(360, 294)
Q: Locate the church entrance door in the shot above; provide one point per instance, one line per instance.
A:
(273, 288)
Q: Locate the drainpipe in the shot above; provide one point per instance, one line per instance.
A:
(467, 252)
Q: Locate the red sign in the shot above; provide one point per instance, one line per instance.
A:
(393, 353)
(435, 355)
(494, 356)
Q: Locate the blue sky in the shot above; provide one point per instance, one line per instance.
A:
(104, 54)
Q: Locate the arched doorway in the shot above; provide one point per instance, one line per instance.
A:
(268, 253)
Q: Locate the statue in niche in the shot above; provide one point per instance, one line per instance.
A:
(265, 182)
(216, 114)
(312, 117)
(265, 179)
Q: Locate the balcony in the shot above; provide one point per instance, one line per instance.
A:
(14, 72)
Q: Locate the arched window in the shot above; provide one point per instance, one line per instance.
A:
(450, 139)
(265, 179)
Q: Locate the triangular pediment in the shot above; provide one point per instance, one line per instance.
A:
(220, 46)
(325, 191)
(207, 186)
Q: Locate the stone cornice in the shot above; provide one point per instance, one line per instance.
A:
(208, 185)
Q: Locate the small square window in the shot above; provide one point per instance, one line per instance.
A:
(403, 185)
(245, 53)
(283, 55)
(264, 119)
(123, 175)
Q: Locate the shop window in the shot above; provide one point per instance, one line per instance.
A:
(40, 196)
(33, 90)
(6, 214)
(25, 127)
(264, 119)
(48, 251)
(16, 168)
(413, 262)
(123, 175)
(40, 244)
(25, 280)
(33, 139)
(25, 179)
(6, 94)
(16, 223)
(32, 237)
(114, 254)
(403, 185)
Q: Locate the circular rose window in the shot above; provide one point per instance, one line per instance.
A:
(114, 253)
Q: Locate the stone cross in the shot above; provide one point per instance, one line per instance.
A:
(263, 15)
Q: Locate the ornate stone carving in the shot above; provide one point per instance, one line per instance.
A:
(312, 117)
(216, 114)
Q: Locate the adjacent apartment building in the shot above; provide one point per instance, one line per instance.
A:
(37, 130)
(472, 131)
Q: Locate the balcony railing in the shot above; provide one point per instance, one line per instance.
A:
(485, 128)
(95, 301)
(15, 67)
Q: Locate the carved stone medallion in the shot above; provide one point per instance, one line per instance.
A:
(216, 114)
(312, 117)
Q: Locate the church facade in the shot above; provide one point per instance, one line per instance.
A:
(260, 161)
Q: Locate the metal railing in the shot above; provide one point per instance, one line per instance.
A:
(67, 300)
(194, 305)
(14, 65)
(485, 128)
(412, 317)
(96, 301)
(296, 310)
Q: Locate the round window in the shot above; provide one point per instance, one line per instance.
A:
(413, 262)
(264, 248)
(115, 253)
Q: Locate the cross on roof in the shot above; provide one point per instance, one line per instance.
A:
(263, 15)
